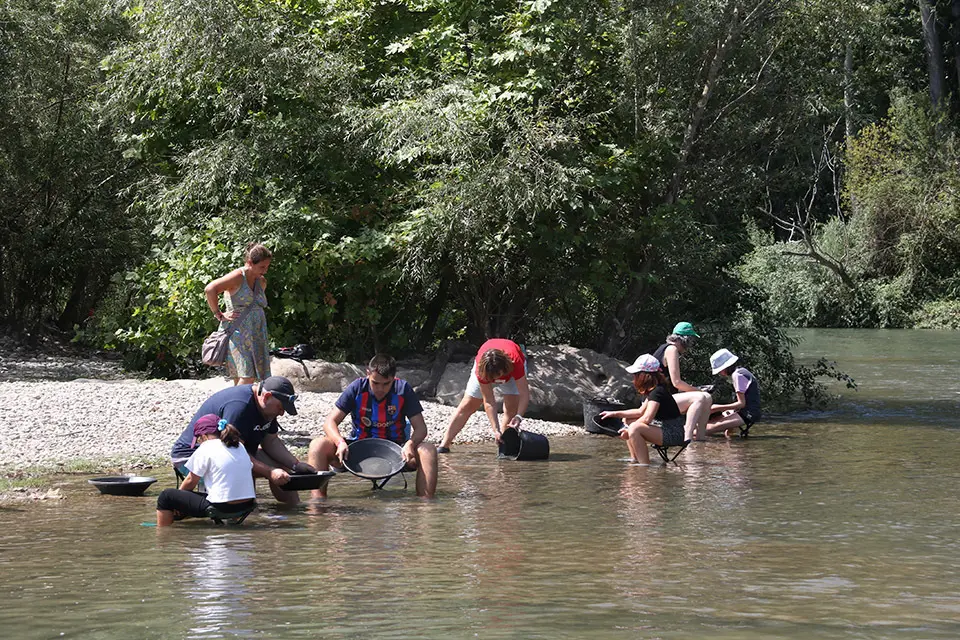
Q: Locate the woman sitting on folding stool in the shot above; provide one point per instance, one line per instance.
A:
(225, 468)
(658, 420)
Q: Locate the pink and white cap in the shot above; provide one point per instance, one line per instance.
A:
(646, 362)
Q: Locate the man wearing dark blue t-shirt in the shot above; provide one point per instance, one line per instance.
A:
(253, 409)
(381, 406)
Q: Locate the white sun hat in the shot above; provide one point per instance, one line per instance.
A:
(722, 359)
(646, 362)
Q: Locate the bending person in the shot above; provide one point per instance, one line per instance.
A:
(500, 363)
(244, 294)
(381, 406)
(225, 469)
(657, 420)
(690, 399)
(253, 409)
(744, 411)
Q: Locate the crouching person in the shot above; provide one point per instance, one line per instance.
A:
(253, 409)
(225, 469)
(381, 406)
(745, 408)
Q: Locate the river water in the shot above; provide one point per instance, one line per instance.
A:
(830, 525)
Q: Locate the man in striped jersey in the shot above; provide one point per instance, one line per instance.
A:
(381, 406)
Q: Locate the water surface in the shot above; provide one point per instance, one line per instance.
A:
(837, 526)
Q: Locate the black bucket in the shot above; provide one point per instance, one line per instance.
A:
(594, 406)
(523, 445)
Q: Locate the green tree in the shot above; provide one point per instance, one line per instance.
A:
(66, 226)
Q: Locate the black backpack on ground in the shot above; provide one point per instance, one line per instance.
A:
(299, 353)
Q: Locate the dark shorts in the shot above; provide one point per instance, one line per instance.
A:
(194, 505)
(749, 417)
(673, 430)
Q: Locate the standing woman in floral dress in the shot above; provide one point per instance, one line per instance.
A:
(248, 358)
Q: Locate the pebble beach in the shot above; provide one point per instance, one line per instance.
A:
(63, 409)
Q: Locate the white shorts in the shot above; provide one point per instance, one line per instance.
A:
(508, 388)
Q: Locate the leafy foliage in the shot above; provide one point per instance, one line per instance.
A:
(901, 243)
(433, 169)
(66, 230)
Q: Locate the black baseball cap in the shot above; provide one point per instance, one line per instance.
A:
(282, 390)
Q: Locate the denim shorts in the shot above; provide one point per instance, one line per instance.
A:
(673, 430)
(508, 388)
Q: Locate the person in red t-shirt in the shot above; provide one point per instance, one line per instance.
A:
(502, 363)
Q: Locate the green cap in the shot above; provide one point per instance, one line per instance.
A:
(685, 329)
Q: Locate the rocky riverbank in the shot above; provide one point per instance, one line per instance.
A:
(54, 420)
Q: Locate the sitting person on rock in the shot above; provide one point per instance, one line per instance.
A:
(744, 411)
(499, 363)
(693, 402)
(657, 420)
(381, 406)
(253, 409)
(225, 469)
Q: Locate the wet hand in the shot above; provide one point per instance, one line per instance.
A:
(409, 452)
(343, 451)
(609, 414)
(623, 434)
(279, 476)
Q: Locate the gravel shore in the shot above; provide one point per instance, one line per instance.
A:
(108, 416)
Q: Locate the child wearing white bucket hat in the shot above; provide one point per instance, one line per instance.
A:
(745, 410)
(658, 420)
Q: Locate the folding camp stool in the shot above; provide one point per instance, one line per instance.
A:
(382, 483)
(233, 517)
(665, 451)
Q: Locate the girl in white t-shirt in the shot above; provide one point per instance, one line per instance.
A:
(745, 410)
(225, 468)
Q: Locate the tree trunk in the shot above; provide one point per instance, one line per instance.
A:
(734, 28)
(4, 305)
(931, 42)
(848, 94)
(614, 333)
(634, 38)
(955, 29)
(433, 311)
(55, 138)
(74, 311)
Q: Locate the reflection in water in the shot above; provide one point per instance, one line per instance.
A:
(217, 570)
(826, 529)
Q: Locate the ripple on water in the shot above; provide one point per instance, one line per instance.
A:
(826, 533)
